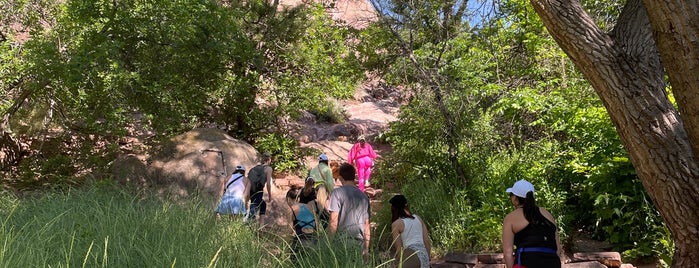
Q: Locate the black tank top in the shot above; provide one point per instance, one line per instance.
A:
(542, 234)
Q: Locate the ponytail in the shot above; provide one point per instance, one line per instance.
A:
(529, 207)
(397, 213)
(531, 212)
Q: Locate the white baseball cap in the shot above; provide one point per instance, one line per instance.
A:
(521, 188)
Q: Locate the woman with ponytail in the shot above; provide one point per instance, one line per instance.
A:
(411, 243)
(531, 229)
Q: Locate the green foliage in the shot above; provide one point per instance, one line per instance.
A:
(320, 63)
(331, 113)
(102, 225)
(284, 149)
(96, 70)
(623, 212)
(521, 111)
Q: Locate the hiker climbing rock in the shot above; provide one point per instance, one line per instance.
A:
(362, 157)
(234, 197)
(259, 177)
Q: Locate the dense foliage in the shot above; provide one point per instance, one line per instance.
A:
(519, 110)
(101, 70)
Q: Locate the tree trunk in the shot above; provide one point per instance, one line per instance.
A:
(625, 69)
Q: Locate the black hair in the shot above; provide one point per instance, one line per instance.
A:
(265, 157)
(531, 212)
(241, 171)
(347, 172)
(292, 193)
(308, 187)
(397, 213)
(323, 161)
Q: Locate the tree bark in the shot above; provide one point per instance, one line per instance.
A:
(625, 69)
(675, 27)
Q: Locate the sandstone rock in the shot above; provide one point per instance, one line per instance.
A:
(596, 256)
(198, 161)
(483, 265)
(493, 258)
(588, 264)
(463, 258)
(445, 264)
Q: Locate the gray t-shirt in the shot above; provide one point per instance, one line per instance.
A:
(352, 207)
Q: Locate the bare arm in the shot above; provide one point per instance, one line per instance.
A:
(246, 192)
(426, 238)
(397, 228)
(367, 236)
(292, 218)
(508, 237)
(333, 223)
(268, 172)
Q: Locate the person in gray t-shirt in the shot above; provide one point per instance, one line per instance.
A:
(350, 210)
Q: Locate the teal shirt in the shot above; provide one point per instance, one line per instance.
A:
(327, 177)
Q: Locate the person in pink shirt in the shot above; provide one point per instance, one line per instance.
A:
(362, 157)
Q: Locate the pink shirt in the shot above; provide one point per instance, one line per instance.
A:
(358, 151)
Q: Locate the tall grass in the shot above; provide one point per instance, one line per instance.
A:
(105, 226)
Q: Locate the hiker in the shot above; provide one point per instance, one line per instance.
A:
(531, 229)
(233, 199)
(362, 156)
(411, 242)
(259, 176)
(350, 210)
(323, 173)
(308, 192)
(303, 220)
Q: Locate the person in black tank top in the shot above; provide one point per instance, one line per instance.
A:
(308, 192)
(532, 230)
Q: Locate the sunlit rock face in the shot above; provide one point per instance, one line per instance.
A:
(356, 13)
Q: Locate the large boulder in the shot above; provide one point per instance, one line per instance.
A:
(198, 161)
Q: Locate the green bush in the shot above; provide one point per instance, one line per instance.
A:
(284, 149)
(330, 112)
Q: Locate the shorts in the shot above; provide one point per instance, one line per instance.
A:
(257, 204)
(231, 205)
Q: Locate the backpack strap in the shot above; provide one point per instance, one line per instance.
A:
(321, 173)
(230, 183)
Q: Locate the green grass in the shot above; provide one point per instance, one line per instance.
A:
(105, 226)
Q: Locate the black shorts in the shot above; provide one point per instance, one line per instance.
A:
(257, 204)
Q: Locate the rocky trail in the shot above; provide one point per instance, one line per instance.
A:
(366, 116)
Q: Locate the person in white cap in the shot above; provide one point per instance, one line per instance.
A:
(233, 198)
(531, 229)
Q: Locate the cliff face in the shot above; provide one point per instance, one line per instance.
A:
(356, 13)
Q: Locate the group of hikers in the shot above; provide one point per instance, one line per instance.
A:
(344, 212)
